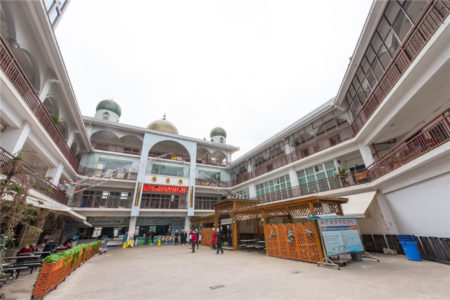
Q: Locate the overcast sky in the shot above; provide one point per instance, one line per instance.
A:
(251, 67)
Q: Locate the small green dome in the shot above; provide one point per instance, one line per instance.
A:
(218, 131)
(110, 105)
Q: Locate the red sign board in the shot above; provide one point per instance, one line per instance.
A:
(165, 189)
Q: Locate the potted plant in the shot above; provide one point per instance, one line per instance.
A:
(342, 175)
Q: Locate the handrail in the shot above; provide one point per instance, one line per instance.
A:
(36, 181)
(432, 17)
(430, 136)
(14, 72)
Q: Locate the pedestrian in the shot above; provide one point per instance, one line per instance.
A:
(177, 235)
(193, 238)
(214, 239)
(198, 237)
(219, 241)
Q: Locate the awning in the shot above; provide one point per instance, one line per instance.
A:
(358, 203)
(36, 199)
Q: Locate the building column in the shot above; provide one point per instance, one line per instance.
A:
(293, 177)
(252, 191)
(55, 173)
(70, 138)
(366, 154)
(131, 228)
(389, 221)
(187, 224)
(14, 139)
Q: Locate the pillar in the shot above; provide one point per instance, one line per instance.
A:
(55, 173)
(252, 191)
(385, 210)
(187, 224)
(14, 138)
(366, 154)
(293, 177)
(70, 138)
(131, 228)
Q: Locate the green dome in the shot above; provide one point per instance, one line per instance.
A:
(218, 131)
(110, 105)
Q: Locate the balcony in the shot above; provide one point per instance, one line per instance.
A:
(429, 137)
(36, 182)
(121, 173)
(15, 74)
(103, 202)
(212, 183)
(433, 16)
(116, 148)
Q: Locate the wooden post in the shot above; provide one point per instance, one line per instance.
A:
(266, 238)
(234, 233)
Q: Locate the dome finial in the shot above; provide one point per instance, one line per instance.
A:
(164, 116)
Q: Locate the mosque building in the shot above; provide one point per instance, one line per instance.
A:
(381, 141)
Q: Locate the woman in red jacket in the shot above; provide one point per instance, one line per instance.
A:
(214, 238)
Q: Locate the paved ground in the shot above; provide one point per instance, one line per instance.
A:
(172, 272)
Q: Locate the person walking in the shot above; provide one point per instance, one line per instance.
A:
(193, 238)
(177, 235)
(214, 239)
(197, 235)
(219, 241)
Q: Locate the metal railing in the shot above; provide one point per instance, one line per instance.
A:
(212, 182)
(15, 74)
(116, 148)
(100, 202)
(107, 173)
(34, 181)
(433, 16)
(430, 136)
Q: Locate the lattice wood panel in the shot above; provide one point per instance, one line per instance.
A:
(206, 236)
(304, 245)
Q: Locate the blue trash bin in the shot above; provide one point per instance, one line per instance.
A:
(411, 251)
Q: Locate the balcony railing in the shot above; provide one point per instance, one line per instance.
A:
(116, 148)
(429, 137)
(212, 182)
(35, 181)
(100, 202)
(12, 70)
(107, 173)
(433, 16)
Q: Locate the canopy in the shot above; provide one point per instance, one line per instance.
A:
(357, 204)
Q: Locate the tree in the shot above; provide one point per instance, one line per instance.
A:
(14, 210)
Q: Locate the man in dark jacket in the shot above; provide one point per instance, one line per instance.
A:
(219, 241)
(197, 234)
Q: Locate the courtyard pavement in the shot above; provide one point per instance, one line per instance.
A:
(173, 272)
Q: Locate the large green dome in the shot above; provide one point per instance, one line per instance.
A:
(218, 131)
(110, 105)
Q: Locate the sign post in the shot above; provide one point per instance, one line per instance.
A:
(339, 235)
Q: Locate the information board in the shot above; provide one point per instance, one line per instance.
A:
(340, 235)
(165, 189)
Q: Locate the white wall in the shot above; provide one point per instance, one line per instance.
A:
(423, 209)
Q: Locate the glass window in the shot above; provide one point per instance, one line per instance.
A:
(49, 4)
(371, 78)
(365, 65)
(377, 69)
(383, 28)
(370, 54)
(401, 25)
(361, 95)
(360, 74)
(376, 43)
(53, 15)
(309, 171)
(329, 164)
(352, 91)
(392, 43)
(365, 86)
(414, 8)
(391, 11)
(384, 57)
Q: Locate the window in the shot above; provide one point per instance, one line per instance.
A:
(401, 25)
(244, 194)
(106, 116)
(414, 8)
(314, 179)
(271, 186)
(204, 202)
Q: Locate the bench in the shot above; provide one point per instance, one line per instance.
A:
(13, 269)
